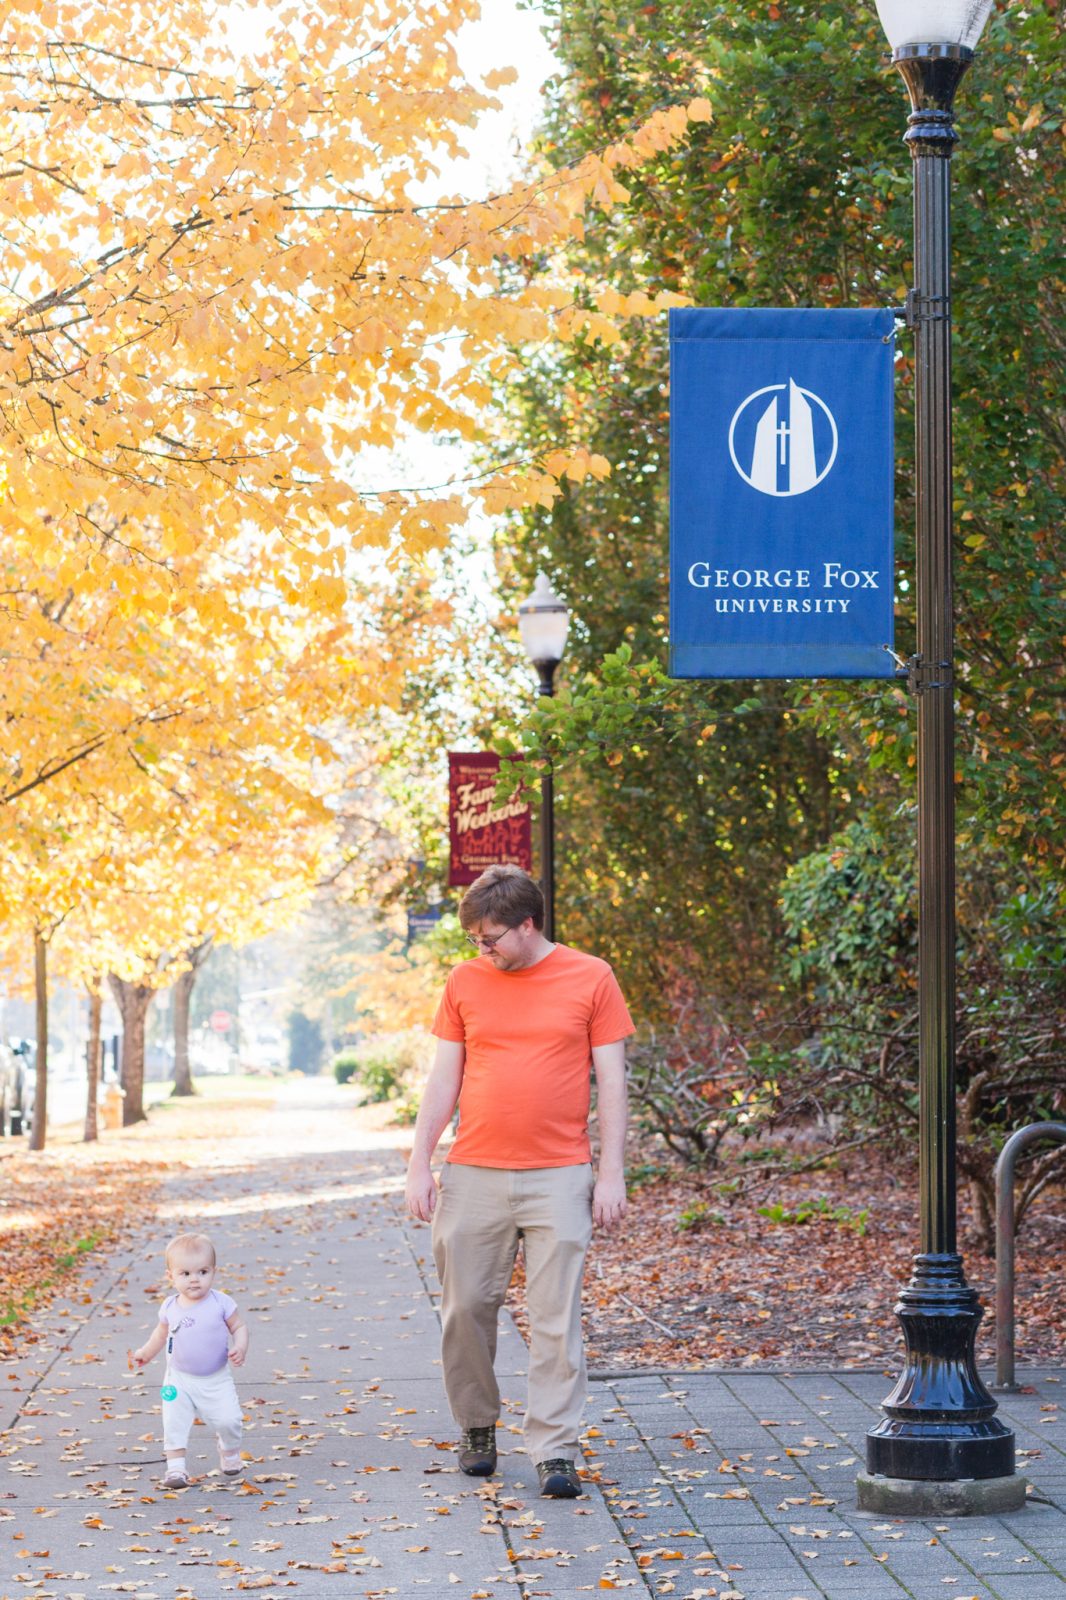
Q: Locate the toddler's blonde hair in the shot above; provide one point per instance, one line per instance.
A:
(190, 1244)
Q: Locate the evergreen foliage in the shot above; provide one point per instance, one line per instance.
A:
(685, 808)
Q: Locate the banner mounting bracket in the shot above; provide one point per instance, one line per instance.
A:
(919, 308)
(923, 675)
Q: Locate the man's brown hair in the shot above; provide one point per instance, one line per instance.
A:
(502, 894)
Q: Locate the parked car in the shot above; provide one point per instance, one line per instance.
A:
(158, 1063)
(26, 1053)
(15, 1090)
(264, 1051)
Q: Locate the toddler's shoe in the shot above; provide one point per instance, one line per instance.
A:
(231, 1463)
(176, 1478)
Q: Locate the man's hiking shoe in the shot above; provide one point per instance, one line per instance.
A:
(558, 1479)
(477, 1452)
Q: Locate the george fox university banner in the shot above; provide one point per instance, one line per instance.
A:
(781, 494)
(483, 834)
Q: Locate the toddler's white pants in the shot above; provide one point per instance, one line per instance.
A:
(212, 1397)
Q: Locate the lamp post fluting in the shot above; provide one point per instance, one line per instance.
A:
(543, 622)
(939, 1447)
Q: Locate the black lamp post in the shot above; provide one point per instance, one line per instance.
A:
(543, 621)
(939, 1449)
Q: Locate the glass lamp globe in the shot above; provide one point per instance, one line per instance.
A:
(543, 621)
(914, 22)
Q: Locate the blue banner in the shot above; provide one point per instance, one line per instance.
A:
(781, 494)
(419, 923)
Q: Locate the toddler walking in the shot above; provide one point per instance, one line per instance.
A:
(195, 1323)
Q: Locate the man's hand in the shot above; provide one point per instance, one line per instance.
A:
(421, 1191)
(609, 1199)
(439, 1099)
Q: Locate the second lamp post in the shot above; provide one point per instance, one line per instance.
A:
(543, 622)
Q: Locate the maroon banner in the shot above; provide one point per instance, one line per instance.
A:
(484, 834)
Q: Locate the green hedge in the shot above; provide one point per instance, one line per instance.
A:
(387, 1066)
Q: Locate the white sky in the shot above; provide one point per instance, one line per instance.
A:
(506, 36)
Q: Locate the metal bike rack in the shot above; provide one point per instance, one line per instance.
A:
(1005, 1243)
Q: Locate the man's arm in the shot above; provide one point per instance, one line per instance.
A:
(439, 1100)
(609, 1195)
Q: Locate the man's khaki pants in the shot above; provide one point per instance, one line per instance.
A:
(481, 1214)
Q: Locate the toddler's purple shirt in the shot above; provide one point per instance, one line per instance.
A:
(199, 1339)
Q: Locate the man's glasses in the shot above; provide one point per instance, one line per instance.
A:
(482, 941)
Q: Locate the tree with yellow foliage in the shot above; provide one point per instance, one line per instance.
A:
(126, 881)
(232, 273)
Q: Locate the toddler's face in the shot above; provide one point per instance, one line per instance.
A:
(192, 1273)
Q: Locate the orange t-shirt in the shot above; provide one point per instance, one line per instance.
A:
(529, 1034)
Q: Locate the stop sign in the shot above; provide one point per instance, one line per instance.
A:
(221, 1021)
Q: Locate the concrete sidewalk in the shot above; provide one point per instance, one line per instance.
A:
(700, 1484)
(761, 1469)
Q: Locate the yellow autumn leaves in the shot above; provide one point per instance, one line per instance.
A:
(231, 270)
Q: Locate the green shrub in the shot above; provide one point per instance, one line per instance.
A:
(820, 1208)
(345, 1065)
(388, 1067)
(405, 1109)
(698, 1216)
(694, 1082)
(378, 1078)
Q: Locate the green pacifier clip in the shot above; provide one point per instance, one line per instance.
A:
(168, 1390)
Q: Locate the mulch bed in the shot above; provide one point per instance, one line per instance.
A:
(738, 1289)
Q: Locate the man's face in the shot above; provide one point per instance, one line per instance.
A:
(507, 948)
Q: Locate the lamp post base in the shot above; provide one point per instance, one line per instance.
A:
(922, 1497)
(939, 1424)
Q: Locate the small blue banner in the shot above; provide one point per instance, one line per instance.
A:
(781, 494)
(419, 923)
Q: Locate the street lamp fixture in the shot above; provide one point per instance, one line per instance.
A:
(543, 621)
(939, 1449)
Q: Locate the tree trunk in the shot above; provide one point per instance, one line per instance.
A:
(40, 977)
(328, 1044)
(133, 1000)
(183, 988)
(92, 1063)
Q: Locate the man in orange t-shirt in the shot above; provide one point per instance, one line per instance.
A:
(519, 1033)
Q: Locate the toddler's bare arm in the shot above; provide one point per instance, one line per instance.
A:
(239, 1329)
(151, 1346)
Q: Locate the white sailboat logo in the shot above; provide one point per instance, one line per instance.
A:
(784, 460)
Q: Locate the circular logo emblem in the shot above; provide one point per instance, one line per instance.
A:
(169, 1392)
(783, 439)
